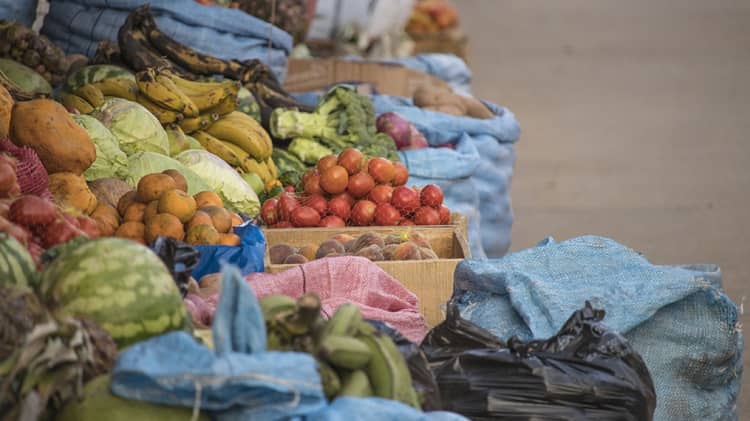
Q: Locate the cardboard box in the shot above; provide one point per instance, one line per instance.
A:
(391, 79)
(448, 42)
(430, 280)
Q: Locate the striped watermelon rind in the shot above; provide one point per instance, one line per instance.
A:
(16, 264)
(95, 73)
(121, 285)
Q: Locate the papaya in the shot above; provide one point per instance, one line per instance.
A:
(71, 190)
(45, 126)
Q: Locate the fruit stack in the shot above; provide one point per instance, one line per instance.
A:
(348, 189)
(354, 359)
(161, 207)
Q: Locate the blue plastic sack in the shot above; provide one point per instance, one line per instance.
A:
(248, 256)
(375, 409)
(493, 140)
(78, 26)
(23, 11)
(676, 317)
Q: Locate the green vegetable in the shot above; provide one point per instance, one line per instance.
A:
(223, 179)
(25, 77)
(254, 181)
(286, 162)
(380, 145)
(16, 265)
(342, 119)
(308, 150)
(119, 284)
(110, 160)
(247, 104)
(95, 73)
(136, 129)
(144, 163)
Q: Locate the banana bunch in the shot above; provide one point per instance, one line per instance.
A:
(91, 96)
(354, 359)
(177, 101)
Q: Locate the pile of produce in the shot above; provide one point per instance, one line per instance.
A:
(161, 206)
(408, 245)
(432, 17)
(349, 189)
(403, 133)
(354, 358)
(445, 101)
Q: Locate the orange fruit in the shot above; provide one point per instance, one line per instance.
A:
(208, 198)
(199, 218)
(152, 186)
(177, 203)
(164, 225)
(132, 231)
(229, 239)
(220, 217)
(134, 212)
(202, 234)
(236, 219)
(179, 180)
(151, 210)
(125, 201)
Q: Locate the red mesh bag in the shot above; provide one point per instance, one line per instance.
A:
(31, 174)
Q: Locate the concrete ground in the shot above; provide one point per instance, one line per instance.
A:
(636, 124)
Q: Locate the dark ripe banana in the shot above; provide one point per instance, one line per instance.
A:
(118, 87)
(74, 102)
(344, 352)
(91, 94)
(162, 95)
(135, 48)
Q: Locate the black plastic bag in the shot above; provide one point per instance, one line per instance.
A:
(422, 377)
(585, 372)
(180, 258)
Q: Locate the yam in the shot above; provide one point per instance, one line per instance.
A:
(71, 190)
(109, 190)
(45, 126)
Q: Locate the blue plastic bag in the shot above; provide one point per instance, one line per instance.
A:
(23, 11)
(248, 256)
(676, 317)
(77, 26)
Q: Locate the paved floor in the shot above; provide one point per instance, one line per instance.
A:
(636, 123)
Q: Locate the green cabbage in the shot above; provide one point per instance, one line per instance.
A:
(144, 163)
(110, 160)
(223, 179)
(136, 129)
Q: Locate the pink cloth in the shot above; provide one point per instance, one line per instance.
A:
(338, 280)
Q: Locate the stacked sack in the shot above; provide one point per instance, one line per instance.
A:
(23, 11)
(79, 25)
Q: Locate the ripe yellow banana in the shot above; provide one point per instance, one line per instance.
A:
(118, 87)
(272, 168)
(191, 87)
(236, 149)
(250, 123)
(216, 147)
(164, 115)
(171, 99)
(250, 165)
(243, 134)
(202, 122)
(91, 94)
(74, 102)
(225, 106)
(191, 109)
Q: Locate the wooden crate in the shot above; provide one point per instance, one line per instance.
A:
(430, 280)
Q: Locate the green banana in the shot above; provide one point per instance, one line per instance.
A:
(246, 135)
(344, 321)
(164, 115)
(202, 122)
(218, 148)
(118, 87)
(157, 92)
(356, 384)
(330, 379)
(308, 308)
(75, 102)
(344, 351)
(387, 370)
(274, 304)
(91, 94)
(291, 323)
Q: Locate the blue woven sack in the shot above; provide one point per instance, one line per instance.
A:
(248, 256)
(491, 175)
(676, 317)
(78, 26)
(23, 11)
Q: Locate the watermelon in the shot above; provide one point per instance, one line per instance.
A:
(95, 73)
(99, 403)
(121, 285)
(16, 265)
(25, 77)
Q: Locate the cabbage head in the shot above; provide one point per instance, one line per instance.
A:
(223, 179)
(136, 129)
(110, 160)
(144, 163)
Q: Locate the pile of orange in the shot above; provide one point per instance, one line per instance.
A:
(160, 206)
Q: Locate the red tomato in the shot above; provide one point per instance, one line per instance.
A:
(426, 216)
(304, 217)
(289, 189)
(363, 213)
(445, 215)
(346, 196)
(340, 207)
(326, 162)
(386, 214)
(269, 213)
(308, 174)
(381, 194)
(312, 184)
(332, 221)
(400, 174)
(360, 184)
(432, 196)
(381, 170)
(334, 180)
(318, 203)
(405, 199)
(352, 160)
